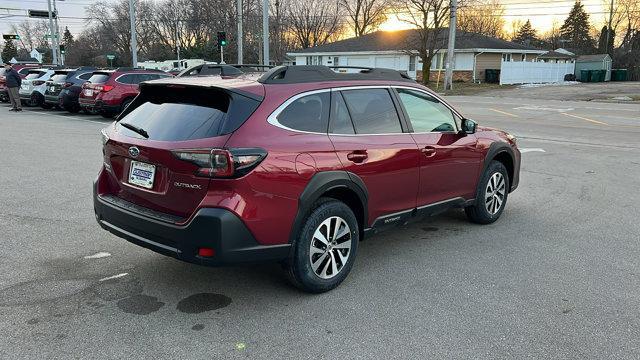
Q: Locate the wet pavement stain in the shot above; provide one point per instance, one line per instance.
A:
(197, 327)
(202, 302)
(140, 304)
(430, 228)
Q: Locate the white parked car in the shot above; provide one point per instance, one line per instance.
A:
(34, 85)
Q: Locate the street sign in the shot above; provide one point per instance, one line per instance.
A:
(110, 57)
(11, 37)
(41, 14)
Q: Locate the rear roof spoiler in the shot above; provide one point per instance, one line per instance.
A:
(171, 83)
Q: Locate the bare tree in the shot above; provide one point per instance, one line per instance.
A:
(553, 36)
(365, 15)
(514, 27)
(485, 17)
(32, 34)
(429, 17)
(314, 22)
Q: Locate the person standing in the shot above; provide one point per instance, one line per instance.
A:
(13, 85)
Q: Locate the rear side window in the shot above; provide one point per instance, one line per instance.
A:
(372, 111)
(59, 77)
(180, 114)
(34, 75)
(340, 119)
(85, 76)
(98, 78)
(129, 79)
(308, 113)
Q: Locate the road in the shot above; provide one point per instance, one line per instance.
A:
(558, 276)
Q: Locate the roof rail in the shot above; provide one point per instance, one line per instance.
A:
(128, 68)
(312, 73)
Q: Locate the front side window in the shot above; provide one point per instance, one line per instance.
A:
(308, 113)
(426, 113)
(372, 111)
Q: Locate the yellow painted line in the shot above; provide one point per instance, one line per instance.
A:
(586, 119)
(504, 113)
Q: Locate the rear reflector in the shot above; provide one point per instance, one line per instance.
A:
(206, 252)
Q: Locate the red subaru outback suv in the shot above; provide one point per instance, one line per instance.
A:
(296, 167)
(108, 92)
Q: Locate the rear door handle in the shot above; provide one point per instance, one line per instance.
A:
(428, 151)
(357, 156)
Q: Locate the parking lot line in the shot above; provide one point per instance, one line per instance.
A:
(586, 119)
(68, 117)
(504, 112)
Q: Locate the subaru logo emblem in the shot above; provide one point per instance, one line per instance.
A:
(134, 151)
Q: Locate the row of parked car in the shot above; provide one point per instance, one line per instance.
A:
(95, 91)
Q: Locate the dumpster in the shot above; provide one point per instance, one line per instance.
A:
(492, 76)
(619, 75)
(585, 75)
(602, 75)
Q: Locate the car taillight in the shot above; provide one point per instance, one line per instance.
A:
(38, 82)
(222, 163)
(105, 88)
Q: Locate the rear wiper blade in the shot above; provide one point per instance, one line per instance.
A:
(136, 129)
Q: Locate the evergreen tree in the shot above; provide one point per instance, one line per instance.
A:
(526, 35)
(602, 47)
(67, 37)
(9, 51)
(575, 30)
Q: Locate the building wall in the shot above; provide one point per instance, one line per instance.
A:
(458, 75)
(594, 65)
(487, 61)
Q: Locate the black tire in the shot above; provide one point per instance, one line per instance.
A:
(72, 109)
(299, 267)
(478, 213)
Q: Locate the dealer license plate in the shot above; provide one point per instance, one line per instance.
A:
(142, 174)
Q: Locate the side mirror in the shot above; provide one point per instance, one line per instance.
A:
(469, 126)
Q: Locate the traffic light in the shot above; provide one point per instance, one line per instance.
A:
(222, 38)
(61, 49)
(11, 37)
(41, 14)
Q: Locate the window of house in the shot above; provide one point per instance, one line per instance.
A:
(506, 57)
(523, 57)
(426, 113)
(372, 111)
(412, 63)
(308, 113)
(309, 60)
(336, 61)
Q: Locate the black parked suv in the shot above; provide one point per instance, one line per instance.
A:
(69, 91)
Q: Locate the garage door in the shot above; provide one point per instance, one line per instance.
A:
(358, 61)
(388, 62)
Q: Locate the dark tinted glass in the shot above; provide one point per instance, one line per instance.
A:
(340, 119)
(59, 77)
(98, 78)
(372, 111)
(128, 79)
(186, 114)
(85, 76)
(309, 113)
(34, 75)
(206, 70)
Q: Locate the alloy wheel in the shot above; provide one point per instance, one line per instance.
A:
(330, 247)
(495, 193)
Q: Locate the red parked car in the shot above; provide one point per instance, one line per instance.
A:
(108, 92)
(296, 167)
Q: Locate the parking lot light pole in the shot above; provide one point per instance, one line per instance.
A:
(51, 32)
(55, 11)
(265, 31)
(134, 43)
(240, 35)
(448, 77)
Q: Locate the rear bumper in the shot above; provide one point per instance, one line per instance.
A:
(52, 99)
(214, 228)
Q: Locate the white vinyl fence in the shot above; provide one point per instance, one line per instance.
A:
(524, 72)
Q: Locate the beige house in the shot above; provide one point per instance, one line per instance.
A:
(474, 53)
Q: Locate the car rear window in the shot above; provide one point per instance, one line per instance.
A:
(178, 114)
(34, 75)
(98, 78)
(58, 77)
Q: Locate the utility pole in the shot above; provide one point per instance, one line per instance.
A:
(240, 34)
(609, 27)
(60, 56)
(53, 40)
(265, 31)
(448, 75)
(134, 42)
(178, 42)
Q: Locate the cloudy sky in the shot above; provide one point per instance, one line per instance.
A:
(541, 12)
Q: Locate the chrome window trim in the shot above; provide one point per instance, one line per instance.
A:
(273, 117)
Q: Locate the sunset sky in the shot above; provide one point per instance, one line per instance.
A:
(540, 12)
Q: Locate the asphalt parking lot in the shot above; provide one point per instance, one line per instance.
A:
(558, 276)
